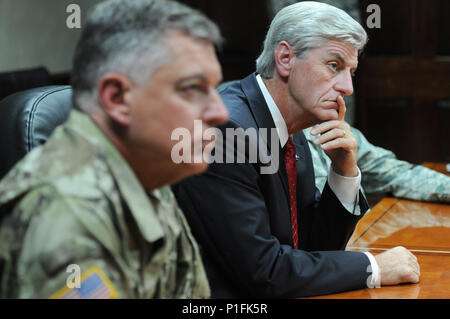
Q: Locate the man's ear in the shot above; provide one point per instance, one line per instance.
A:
(112, 88)
(284, 55)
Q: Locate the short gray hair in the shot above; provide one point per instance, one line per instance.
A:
(126, 36)
(305, 26)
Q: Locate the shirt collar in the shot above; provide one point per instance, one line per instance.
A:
(278, 119)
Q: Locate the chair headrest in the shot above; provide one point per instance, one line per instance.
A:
(28, 118)
(17, 81)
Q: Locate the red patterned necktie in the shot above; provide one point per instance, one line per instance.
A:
(291, 170)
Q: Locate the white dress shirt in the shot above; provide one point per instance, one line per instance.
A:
(345, 188)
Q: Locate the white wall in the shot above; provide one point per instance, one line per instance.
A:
(34, 33)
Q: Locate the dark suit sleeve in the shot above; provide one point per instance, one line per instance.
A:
(227, 213)
(332, 224)
(325, 224)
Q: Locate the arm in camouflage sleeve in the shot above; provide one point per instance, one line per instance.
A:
(55, 235)
(383, 172)
(321, 161)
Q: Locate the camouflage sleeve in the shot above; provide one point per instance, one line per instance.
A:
(58, 252)
(321, 162)
(383, 172)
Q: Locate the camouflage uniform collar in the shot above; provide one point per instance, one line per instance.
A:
(129, 185)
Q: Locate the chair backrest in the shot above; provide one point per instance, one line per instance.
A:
(28, 118)
(17, 81)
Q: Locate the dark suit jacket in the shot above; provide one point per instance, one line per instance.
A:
(241, 219)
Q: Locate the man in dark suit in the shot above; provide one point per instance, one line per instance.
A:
(272, 234)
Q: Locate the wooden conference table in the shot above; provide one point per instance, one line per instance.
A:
(423, 228)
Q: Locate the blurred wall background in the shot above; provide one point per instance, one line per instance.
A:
(402, 88)
(34, 33)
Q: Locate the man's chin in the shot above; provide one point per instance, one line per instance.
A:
(185, 170)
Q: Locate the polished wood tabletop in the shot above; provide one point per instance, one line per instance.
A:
(423, 228)
(440, 167)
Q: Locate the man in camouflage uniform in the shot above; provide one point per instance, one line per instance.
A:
(89, 214)
(382, 172)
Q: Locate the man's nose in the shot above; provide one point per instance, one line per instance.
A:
(345, 83)
(216, 113)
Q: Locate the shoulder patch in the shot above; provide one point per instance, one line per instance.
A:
(94, 284)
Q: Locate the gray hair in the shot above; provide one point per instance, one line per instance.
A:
(308, 25)
(126, 36)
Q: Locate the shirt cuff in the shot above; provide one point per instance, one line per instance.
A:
(375, 277)
(346, 189)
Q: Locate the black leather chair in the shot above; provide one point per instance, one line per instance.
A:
(28, 118)
(17, 81)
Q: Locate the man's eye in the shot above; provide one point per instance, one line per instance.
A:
(194, 92)
(333, 65)
(194, 88)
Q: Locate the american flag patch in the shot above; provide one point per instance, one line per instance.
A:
(94, 285)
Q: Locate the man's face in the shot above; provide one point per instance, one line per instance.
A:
(176, 95)
(320, 77)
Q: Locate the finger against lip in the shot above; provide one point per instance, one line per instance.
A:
(342, 109)
(332, 104)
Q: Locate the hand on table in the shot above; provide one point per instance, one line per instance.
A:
(398, 265)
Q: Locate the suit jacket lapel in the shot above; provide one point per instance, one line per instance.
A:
(305, 171)
(263, 118)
